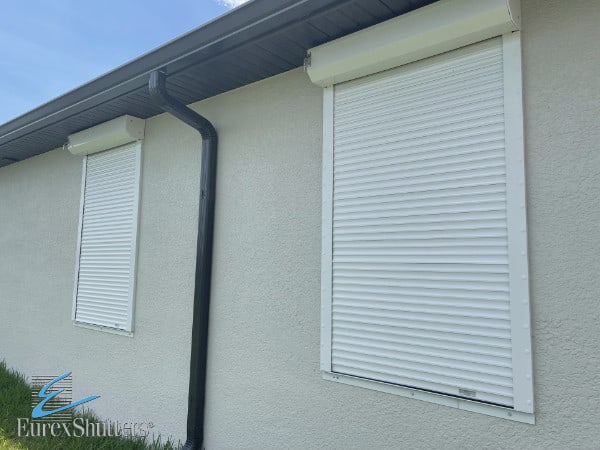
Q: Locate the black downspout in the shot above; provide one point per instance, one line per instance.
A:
(208, 175)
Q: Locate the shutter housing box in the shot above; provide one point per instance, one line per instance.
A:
(105, 136)
(419, 34)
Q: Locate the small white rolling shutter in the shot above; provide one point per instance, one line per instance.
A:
(105, 283)
(420, 263)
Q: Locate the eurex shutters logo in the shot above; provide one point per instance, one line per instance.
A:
(52, 414)
(56, 396)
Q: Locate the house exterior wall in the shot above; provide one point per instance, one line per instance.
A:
(264, 385)
(143, 378)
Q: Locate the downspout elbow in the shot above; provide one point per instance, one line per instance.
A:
(157, 87)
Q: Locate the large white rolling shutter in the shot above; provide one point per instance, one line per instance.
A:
(105, 284)
(420, 246)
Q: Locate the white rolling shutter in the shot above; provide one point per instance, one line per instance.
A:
(105, 283)
(420, 292)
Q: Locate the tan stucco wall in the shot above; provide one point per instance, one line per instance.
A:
(264, 385)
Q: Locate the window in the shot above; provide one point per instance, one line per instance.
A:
(106, 262)
(425, 284)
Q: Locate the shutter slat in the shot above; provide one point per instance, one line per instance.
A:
(426, 175)
(101, 233)
(417, 278)
(112, 228)
(450, 129)
(437, 319)
(430, 70)
(489, 112)
(468, 365)
(454, 281)
(424, 337)
(415, 86)
(454, 196)
(95, 254)
(426, 184)
(108, 302)
(471, 143)
(440, 384)
(429, 114)
(105, 314)
(108, 275)
(391, 305)
(420, 293)
(358, 320)
(110, 320)
(374, 232)
(392, 164)
(122, 201)
(410, 343)
(424, 242)
(438, 268)
(400, 213)
(385, 292)
(94, 289)
(440, 189)
(433, 164)
(497, 384)
(485, 95)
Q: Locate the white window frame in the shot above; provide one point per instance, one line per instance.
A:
(518, 261)
(129, 326)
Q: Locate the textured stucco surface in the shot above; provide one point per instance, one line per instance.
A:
(265, 388)
(141, 378)
(264, 385)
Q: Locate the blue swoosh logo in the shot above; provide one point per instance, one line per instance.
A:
(39, 412)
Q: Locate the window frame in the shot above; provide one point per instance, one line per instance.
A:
(517, 255)
(129, 326)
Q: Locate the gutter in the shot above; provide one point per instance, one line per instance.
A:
(122, 90)
(208, 175)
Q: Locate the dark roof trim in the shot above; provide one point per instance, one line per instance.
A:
(241, 28)
(235, 28)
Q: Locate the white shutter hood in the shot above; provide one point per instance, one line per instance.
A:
(107, 135)
(425, 32)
